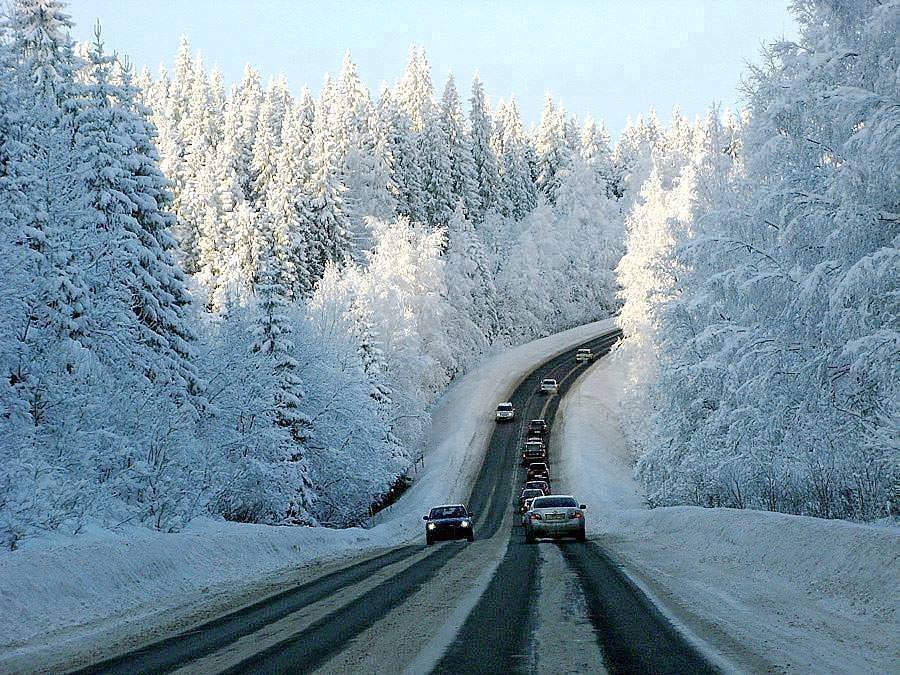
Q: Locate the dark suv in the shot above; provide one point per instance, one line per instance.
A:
(538, 428)
(451, 521)
(534, 451)
(538, 471)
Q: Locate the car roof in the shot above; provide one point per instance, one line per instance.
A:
(445, 506)
(504, 403)
(542, 421)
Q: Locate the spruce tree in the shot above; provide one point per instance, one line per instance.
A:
(434, 162)
(414, 90)
(273, 341)
(401, 146)
(554, 153)
(463, 184)
(486, 169)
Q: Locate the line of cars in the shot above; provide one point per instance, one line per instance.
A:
(544, 514)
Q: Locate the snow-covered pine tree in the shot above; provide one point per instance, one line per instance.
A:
(161, 301)
(241, 121)
(266, 140)
(517, 193)
(401, 143)
(487, 175)
(329, 227)
(554, 152)
(365, 166)
(414, 92)
(596, 151)
(288, 209)
(463, 183)
(471, 289)
(434, 164)
(273, 340)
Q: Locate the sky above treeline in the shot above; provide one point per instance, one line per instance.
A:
(604, 58)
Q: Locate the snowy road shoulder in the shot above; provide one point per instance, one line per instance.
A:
(760, 589)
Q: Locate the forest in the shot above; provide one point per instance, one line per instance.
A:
(243, 303)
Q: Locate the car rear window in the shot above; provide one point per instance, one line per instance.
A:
(448, 512)
(553, 502)
(532, 493)
(504, 406)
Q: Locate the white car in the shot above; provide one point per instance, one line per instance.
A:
(554, 516)
(583, 355)
(506, 412)
(549, 386)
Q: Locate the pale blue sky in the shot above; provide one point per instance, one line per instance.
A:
(605, 58)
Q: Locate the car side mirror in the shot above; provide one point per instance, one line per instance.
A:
(583, 507)
(471, 515)
(424, 517)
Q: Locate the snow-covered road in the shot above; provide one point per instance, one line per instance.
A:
(69, 601)
(744, 591)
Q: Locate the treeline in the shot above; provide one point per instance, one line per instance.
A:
(243, 305)
(760, 286)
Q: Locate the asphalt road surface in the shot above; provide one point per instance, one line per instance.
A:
(497, 605)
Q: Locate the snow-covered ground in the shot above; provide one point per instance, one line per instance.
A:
(759, 591)
(60, 597)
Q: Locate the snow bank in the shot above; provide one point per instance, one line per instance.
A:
(762, 591)
(61, 596)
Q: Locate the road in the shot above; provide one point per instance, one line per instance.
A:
(497, 605)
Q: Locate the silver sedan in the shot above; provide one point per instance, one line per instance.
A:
(555, 516)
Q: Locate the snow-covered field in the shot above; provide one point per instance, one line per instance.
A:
(761, 591)
(61, 597)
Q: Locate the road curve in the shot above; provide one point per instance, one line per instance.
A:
(355, 618)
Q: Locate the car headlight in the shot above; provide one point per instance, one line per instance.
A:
(430, 526)
(465, 523)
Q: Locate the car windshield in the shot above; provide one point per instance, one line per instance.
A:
(554, 502)
(447, 512)
(532, 493)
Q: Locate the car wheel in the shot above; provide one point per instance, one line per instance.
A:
(581, 535)
(471, 538)
(429, 541)
(529, 538)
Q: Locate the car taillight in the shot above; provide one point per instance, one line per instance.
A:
(536, 516)
(576, 515)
